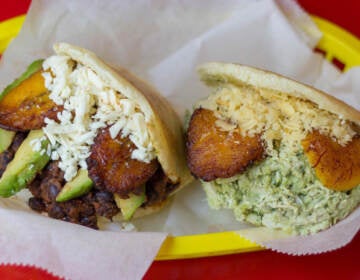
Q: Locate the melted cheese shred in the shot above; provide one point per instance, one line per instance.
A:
(89, 104)
(275, 115)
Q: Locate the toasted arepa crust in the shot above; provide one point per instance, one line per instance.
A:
(216, 73)
(252, 80)
(163, 124)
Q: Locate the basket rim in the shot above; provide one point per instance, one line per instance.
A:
(207, 244)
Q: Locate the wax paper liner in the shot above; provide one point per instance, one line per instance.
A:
(163, 43)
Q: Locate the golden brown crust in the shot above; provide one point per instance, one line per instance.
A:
(336, 166)
(216, 73)
(214, 153)
(26, 106)
(111, 167)
(165, 131)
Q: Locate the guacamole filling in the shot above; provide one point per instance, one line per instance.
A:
(282, 192)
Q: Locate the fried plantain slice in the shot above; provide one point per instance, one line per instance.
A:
(336, 166)
(27, 105)
(111, 167)
(214, 153)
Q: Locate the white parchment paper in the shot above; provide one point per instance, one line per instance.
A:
(164, 42)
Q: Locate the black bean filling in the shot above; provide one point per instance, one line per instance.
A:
(82, 210)
(85, 209)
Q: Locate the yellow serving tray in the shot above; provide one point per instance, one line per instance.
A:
(8, 30)
(337, 45)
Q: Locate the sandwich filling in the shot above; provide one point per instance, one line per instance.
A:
(89, 105)
(86, 140)
(282, 192)
(278, 117)
(283, 189)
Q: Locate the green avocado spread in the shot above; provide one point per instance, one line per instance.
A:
(282, 192)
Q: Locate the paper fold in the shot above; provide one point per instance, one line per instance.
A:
(164, 43)
(73, 251)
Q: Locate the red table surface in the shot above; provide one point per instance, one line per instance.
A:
(339, 264)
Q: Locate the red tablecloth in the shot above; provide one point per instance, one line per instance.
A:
(340, 264)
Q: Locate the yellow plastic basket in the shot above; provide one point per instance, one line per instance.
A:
(8, 30)
(338, 46)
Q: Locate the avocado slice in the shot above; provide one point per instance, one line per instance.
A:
(6, 138)
(25, 164)
(129, 205)
(78, 186)
(31, 69)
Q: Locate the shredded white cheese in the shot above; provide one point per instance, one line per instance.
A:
(276, 116)
(38, 146)
(89, 104)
